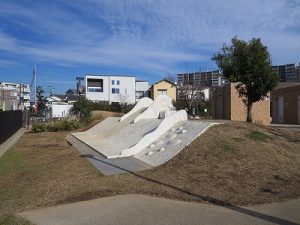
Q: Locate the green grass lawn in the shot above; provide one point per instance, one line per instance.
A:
(258, 136)
(10, 219)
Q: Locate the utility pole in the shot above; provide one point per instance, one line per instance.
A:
(50, 92)
(20, 95)
(34, 73)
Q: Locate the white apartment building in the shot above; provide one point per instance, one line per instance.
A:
(110, 88)
(141, 89)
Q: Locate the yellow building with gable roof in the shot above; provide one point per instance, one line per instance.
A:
(163, 87)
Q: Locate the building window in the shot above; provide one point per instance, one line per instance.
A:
(118, 82)
(162, 91)
(112, 82)
(139, 94)
(94, 85)
(115, 90)
(92, 89)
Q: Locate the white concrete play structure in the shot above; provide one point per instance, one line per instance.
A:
(152, 132)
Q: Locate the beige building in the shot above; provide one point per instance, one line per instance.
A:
(163, 87)
(285, 100)
(14, 96)
(226, 104)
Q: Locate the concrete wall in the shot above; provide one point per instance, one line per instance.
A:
(164, 85)
(226, 104)
(60, 110)
(290, 107)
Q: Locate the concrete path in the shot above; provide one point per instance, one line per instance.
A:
(139, 209)
(11, 141)
(295, 127)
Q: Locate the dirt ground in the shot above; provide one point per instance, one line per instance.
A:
(226, 165)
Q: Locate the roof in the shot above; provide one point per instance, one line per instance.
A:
(73, 97)
(282, 85)
(170, 82)
(109, 75)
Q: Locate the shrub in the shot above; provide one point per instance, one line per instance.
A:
(66, 124)
(38, 127)
(83, 108)
(180, 104)
(63, 125)
(205, 110)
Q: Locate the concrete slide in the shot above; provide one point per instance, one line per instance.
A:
(142, 134)
(163, 127)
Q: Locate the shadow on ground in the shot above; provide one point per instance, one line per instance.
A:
(208, 199)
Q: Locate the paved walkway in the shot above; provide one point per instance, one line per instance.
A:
(295, 127)
(11, 141)
(139, 209)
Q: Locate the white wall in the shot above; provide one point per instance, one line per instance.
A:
(60, 110)
(126, 87)
(206, 94)
(142, 85)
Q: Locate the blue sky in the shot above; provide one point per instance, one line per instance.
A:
(145, 38)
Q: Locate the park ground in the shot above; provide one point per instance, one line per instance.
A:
(234, 163)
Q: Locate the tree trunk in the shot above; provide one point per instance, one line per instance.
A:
(249, 112)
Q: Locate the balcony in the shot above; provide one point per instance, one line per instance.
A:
(27, 97)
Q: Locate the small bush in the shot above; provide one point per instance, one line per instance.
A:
(38, 127)
(60, 125)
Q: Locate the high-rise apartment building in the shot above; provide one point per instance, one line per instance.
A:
(287, 72)
(210, 78)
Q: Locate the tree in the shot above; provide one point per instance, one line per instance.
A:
(249, 65)
(170, 78)
(122, 98)
(41, 100)
(191, 93)
(83, 109)
(123, 101)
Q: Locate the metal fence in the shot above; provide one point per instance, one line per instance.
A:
(11, 122)
(41, 119)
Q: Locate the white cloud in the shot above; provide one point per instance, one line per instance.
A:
(148, 35)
